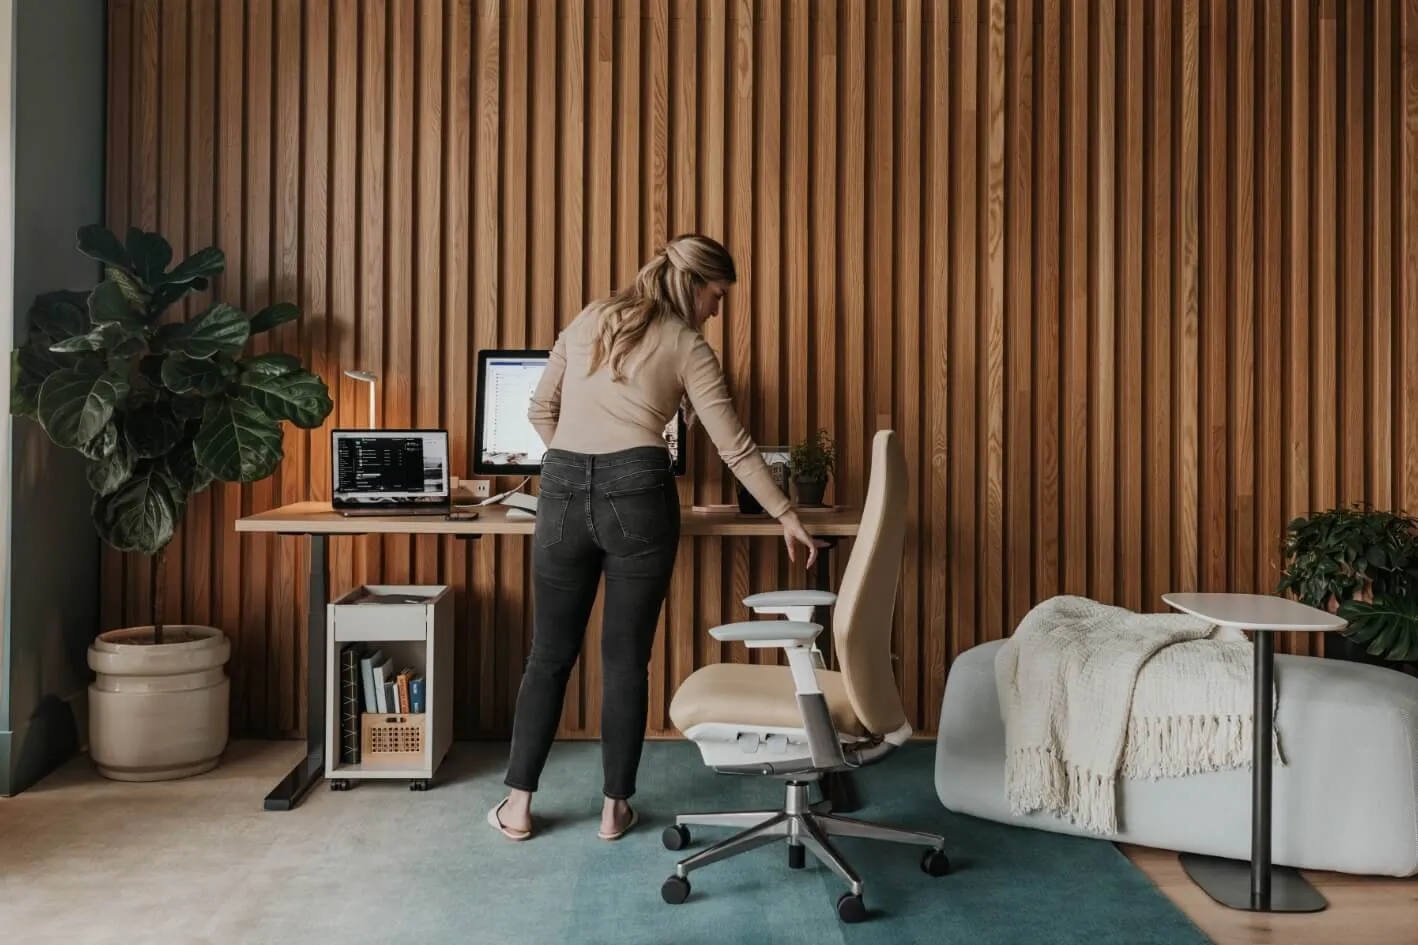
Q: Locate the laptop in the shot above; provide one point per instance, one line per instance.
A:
(389, 472)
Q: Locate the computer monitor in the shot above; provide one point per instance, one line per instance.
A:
(380, 468)
(505, 442)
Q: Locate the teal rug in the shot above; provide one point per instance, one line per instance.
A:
(1009, 885)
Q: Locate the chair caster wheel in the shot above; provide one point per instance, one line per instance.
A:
(339, 784)
(674, 890)
(850, 908)
(422, 784)
(797, 857)
(935, 863)
(675, 837)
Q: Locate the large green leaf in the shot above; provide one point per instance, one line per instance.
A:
(141, 514)
(274, 362)
(133, 290)
(1386, 627)
(106, 474)
(149, 253)
(221, 329)
(99, 242)
(238, 442)
(274, 315)
(300, 396)
(197, 268)
(60, 315)
(206, 377)
(108, 305)
(100, 338)
(152, 430)
(30, 366)
(76, 403)
(190, 475)
(104, 444)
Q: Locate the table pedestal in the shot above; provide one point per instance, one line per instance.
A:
(1256, 886)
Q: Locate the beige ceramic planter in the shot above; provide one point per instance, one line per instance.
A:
(158, 712)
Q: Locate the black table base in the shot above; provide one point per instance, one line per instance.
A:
(1229, 883)
(1256, 886)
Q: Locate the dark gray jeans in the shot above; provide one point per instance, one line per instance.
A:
(612, 514)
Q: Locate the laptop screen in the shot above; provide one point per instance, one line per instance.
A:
(372, 467)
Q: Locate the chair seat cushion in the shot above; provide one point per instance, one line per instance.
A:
(747, 694)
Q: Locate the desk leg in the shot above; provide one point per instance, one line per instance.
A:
(294, 786)
(1257, 886)
(837, 787)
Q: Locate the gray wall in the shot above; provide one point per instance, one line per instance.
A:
(52, 601)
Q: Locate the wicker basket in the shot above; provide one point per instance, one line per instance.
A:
(391, 740)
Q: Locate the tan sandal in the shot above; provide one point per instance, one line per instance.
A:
(511, 833)
(634, 819)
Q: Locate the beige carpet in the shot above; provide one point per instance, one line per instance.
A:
(87, 860)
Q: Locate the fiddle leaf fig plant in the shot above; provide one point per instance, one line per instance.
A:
(159, 408)
(1362, 564)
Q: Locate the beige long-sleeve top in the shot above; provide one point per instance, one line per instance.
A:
(594, 414)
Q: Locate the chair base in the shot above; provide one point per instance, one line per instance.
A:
(804, 826)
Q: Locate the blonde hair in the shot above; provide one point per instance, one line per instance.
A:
(664, 288)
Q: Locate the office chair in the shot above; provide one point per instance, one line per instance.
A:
(801, 721)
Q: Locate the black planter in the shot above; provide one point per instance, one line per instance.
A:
(810, 491)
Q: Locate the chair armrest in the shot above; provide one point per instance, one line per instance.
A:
(795, 605)
(804, 598)
(764, 633)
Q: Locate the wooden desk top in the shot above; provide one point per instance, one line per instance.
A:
(317, 518)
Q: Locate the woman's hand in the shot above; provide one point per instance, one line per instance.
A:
(794, 534)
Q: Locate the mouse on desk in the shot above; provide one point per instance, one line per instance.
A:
(515, 513)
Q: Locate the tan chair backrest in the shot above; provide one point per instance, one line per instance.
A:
(866, 600)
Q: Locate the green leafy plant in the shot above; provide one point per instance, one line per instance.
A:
(814, 458)
(160, 408)
(1362, 564)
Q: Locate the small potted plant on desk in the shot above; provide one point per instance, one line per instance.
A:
(1361, 564)
(812, 463)
(159, 409)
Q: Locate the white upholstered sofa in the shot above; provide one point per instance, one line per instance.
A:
(1346, 799)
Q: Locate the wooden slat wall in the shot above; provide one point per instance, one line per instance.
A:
(1136, 281)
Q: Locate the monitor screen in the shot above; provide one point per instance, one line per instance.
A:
(371, 467)
(506, 443)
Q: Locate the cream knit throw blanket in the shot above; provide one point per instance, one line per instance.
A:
(1088, 691)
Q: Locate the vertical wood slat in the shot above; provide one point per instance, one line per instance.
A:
(1130, 279)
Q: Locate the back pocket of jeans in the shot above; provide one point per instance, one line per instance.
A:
(552, 508)
(641, 507)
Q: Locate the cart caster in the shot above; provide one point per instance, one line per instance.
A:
(935, 863)
(675, 837)
(850, 908)
(340, 784)
(675, 890)
(421, 784)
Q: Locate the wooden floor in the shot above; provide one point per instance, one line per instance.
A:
(1363, 910)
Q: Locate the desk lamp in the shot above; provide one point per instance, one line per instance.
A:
(369, 378)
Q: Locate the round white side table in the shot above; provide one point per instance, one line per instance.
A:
(1256, 886)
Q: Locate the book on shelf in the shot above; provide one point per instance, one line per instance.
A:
(351, 701)
(370, 684)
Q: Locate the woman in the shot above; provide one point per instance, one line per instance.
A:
(608, 505)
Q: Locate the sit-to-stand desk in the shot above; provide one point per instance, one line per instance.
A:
(318, 522)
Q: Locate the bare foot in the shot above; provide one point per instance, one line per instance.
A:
(616, 817)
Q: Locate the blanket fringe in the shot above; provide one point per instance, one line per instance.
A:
(1038, 781)
(1177, 746)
